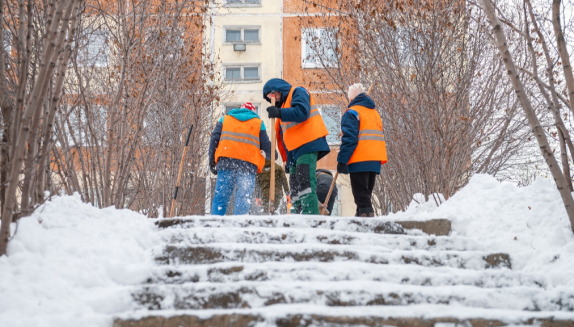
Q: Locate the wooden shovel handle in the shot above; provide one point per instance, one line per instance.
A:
(272, 181)
(324, 206)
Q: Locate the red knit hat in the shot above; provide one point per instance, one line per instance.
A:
(249, 105)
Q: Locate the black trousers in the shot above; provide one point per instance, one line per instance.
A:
(362, 184)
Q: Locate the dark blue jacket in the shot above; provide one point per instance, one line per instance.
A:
(299, 112)
(225, 163)
(350, 139)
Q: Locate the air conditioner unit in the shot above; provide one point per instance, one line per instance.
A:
(239, 47)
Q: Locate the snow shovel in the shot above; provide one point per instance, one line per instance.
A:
(179, 174)
(323, 206)
(272, 178)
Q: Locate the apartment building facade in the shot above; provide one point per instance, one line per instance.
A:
(252, 41)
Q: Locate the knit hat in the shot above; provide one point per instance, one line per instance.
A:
(249, 105)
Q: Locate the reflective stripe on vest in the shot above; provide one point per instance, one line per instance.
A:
(314, 112)
(240, 140)
(231, 136)
(372, 135)
(295, 134)
(371, 145)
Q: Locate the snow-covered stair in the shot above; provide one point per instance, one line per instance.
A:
(316, 271)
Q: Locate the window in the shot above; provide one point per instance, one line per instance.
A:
(332, 118)
(318, 47)
(229, 106)
(94, 51)
(7, 41)
(243, 2)
(246, 73)
(78, 123)
(245, 34)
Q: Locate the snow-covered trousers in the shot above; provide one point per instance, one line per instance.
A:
(303, 183)
(228, 180)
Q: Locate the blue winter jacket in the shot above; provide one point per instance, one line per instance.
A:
(299, 112)
(350, 139)
(225, 163)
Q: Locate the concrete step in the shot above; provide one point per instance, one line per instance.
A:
(282, 235)
(438, 227)
(197, 296)
(226, 252)
(231, 272)
(308, 315)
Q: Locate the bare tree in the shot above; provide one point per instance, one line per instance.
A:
(41, 33)
(96, 98)
(130, 102)
(446, 114)
(545, 87)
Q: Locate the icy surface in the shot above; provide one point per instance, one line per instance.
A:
(71, 264)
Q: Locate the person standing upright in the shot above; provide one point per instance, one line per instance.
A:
(363, 148)
(237, 151)
(301, 138)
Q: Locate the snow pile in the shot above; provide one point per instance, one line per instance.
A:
(529, 223)
(71, 264)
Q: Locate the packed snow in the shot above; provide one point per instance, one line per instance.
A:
(71, 264)
(529, 223)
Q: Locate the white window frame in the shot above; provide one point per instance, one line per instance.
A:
(87, 62)
(242, 4)
(79, 120)
(316, 63)
(242, 80)
(242, 28)
(7, 41)
(334, 107)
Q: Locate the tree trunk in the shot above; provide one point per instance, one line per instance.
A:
(530, 113)
(563, 51)
(44, 157)
(25, 124)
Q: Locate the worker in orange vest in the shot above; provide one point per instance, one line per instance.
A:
(363, 148)
(237, 151)
(301, 138)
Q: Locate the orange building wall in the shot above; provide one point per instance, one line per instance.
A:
(312, 79)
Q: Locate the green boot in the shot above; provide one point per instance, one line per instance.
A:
(306, 183)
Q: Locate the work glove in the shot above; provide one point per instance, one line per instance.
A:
(342, 168)
(274, 112)
(212, 167)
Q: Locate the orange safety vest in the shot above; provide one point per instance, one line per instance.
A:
(240, 140)
(371, 146)
(296, 134)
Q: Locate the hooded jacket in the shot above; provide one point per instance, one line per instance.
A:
(224, 163)
(350, 128)
(299, 112)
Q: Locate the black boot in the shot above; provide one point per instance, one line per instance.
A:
(365, 212)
